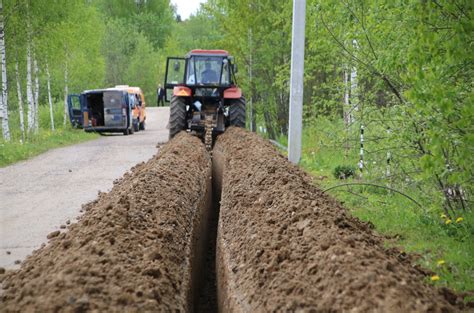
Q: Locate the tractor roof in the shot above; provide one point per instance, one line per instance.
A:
(208, 52)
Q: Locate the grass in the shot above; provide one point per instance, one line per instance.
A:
(17, 149)
(444, 247)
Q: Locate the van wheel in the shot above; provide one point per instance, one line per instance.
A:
(125, 132)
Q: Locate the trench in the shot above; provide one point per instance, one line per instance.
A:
(204, 288)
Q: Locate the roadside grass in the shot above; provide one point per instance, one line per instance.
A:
(45, 139)
(445, 247)
(16, 150)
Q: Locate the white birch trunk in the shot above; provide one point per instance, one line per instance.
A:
(4, 100)
(50, 101)
(354, 92)
(20, 101)
(347, 104)
(346, 110)
(29, 90)
(36, 93)
(354, 99)
(66, 91)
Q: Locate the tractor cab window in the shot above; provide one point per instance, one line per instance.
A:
(225, 72)
(205, 70)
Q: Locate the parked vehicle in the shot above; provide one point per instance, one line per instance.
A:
(138, 105)
(102, 110)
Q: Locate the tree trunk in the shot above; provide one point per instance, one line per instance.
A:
(251, 110)
(346, 111)
(29, 83)
(50, 101)
(355, 102)
(347, 105)
(36, 93)
(4, 100)
(66, 91)
(29, 90)
(282, 102)
(20, 100)
(268, 125)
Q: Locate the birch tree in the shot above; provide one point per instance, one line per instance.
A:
(29, 83)
(36, 93)
(66, 90)
(50, 100)
(29, 90)
(4, 98)
(20, 99)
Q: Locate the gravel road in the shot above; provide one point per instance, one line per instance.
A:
(39, 195)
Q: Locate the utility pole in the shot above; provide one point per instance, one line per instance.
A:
(296, 81)
(250, 80)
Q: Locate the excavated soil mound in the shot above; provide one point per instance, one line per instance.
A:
(133, 248)
(283, 245)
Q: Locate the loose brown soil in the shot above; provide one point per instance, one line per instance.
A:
(132, 250)
(285, 246)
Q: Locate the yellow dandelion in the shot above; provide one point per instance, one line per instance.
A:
(440, 262)
(459, 220)
(448, 221)
(434, 278)
(443, 215)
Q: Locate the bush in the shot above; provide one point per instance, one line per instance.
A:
(344, 171)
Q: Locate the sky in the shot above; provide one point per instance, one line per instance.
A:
(187, 7)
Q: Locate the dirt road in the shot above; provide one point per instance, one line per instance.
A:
(41, 194)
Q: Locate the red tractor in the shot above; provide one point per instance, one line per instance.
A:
(204, 96)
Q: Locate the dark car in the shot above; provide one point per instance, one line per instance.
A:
(102, 110)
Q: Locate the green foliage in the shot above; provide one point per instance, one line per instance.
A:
(152, 18)
(96, 43)
(426, 231)
(344, 171)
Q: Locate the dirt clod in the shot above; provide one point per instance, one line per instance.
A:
(53, 234)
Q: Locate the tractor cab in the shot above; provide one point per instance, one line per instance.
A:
(203, 92)
(207, 72)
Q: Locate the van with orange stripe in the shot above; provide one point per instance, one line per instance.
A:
(138, 106)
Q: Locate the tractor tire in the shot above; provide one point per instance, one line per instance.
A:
(177, 115)
(237, 113)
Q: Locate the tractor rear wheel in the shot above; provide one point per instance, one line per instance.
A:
(177, 115)
(237, 112)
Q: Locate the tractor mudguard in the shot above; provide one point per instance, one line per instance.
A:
(233, 93)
